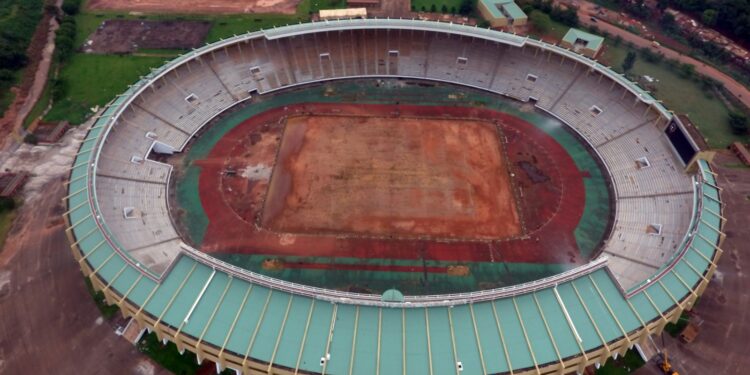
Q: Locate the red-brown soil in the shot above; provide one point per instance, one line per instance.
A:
(541, 169)
(126, 36)
(391, 177)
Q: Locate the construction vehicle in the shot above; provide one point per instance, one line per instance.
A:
(665, 366)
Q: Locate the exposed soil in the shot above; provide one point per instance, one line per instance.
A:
(391, 177)
(126, 36)
(197, 6)
(50, 324)
(549, 216)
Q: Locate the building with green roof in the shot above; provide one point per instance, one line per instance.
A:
(502, 13)
(582, 42)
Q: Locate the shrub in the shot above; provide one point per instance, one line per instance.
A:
(31, 139)
(738, 123)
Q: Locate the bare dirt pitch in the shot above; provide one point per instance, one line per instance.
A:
(126, 36)
(391, 177)
(196, 6)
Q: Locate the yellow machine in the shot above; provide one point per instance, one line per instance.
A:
(664, 365)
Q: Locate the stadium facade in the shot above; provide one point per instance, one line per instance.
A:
(657, 261)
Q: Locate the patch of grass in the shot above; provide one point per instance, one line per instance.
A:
(168, 356)
(107, 311)
(93, 80)
(6, 97)
(556, 30)
(736, 166)
(164, 52)
(6, 221)
(40, 105)
(682, 95)
(624, 365)
(674, 329)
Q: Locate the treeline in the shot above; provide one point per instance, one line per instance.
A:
(730, 16)
(18, 20)
(466, 8)
(65, 44)
(66, 34)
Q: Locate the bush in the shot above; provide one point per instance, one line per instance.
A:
(7, 204)
(467, 6)
(651, 56)
(686, 70)
(738, 123)
(629, 61)
(71, 7)
(31, 139)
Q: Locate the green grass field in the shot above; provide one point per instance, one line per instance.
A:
(681, 95)
(6, 221)
(94, 80)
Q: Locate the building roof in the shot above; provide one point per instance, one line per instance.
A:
(513, 10)
(343, 13)
(503, 9)
(593, 42)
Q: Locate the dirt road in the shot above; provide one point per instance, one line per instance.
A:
(737, 89)
(50, 324)
(721, 345)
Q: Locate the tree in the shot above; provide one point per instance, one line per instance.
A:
(467, 6)
(433, 8)
(709, 17)
(444, 9)
(668, 23)
(738, 123)
(629, 61)
(662, 4)
(687, 70)
(71, 7)
(542, 23)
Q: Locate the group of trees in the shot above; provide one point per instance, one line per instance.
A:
(18, 20)
(64, 45)
(738, 122)
(731, 16)
(567, 16)
(465, 8)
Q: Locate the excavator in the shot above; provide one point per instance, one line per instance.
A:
(665, 366)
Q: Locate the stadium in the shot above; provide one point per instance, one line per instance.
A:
(393, 196)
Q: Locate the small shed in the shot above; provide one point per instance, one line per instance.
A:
(336, 14)
(582, 42)
(11, 184)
